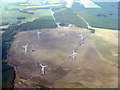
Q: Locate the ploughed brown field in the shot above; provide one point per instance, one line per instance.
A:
(89, 70)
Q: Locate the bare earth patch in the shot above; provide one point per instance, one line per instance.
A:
(53, 49)
(115, 53)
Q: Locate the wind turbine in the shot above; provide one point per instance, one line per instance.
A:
(73, 55)
(42, 69)
(38, 34)
(82, 39)
(25, 48)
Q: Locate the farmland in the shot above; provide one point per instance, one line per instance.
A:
(104, 14)
(30, 13)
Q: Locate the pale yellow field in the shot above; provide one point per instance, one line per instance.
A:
(3, 27)
(1, 32)
(23, 4)
(108, 35)
(106, 42)
(43, 6)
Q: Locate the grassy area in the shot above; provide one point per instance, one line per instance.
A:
(106, 42)
(77, 84)
(13, 11)
(44, 22)
(69, 17)
(98, 17)
(104, 17)
(42, 86)
(62, 5)
(106, 50)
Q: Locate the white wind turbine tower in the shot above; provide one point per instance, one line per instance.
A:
(38, 34)
(25, 48)
(73, 55)
(82, 39)
(43, 69)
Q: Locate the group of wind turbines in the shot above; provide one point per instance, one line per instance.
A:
(74, 52)
(26, 46)
(72, 56)
(82, 39)
(42, 66)
(26, 50)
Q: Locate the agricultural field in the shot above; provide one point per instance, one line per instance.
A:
(16, 13)
(24, 13)
(96, 17)
(89, 4)
(69, 17)
(104, 17)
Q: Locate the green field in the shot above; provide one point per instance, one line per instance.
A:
(69, 17)
(11, 12)
(106, 42)
(106, 50)
(104, 17)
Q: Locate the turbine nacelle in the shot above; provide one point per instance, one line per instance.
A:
(38, 33)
